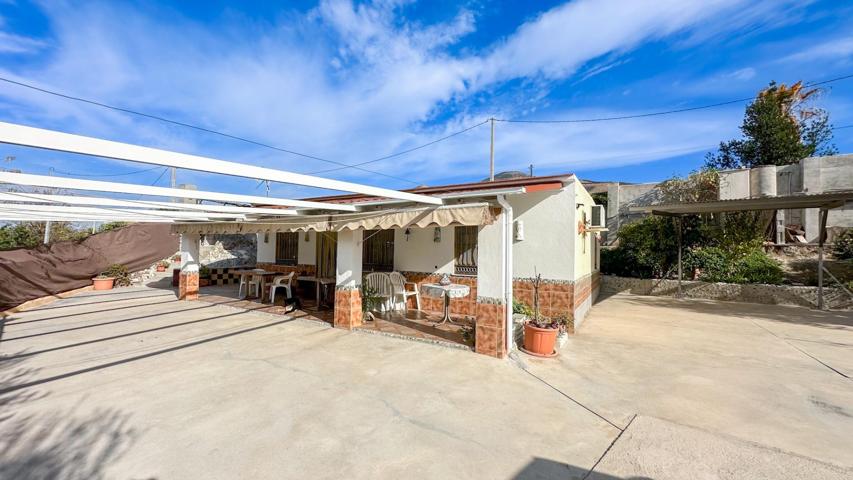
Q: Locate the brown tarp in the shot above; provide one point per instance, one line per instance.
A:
(26, 274)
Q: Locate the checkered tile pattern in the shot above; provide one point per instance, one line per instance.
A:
(224, 276)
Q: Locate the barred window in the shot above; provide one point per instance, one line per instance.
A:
(465, 250)
(377, 254)
(286, 248)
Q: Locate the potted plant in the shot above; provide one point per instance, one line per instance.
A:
(369, 302)
(103, 282)
(115, 275)
(162, 266)
(203, 276)
(540, 333)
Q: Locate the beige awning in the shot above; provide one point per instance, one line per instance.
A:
(444, 216)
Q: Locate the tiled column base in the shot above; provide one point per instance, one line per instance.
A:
(490, 334)
(188, 286)
(347, 308)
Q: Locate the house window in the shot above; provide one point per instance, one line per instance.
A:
(377, 254)
(286, 248)
(465, 250)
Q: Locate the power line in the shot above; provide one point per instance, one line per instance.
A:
(666, 112)
(103, 174)
(843, 126)
(460, 132)
(195, 127)
(161, 176)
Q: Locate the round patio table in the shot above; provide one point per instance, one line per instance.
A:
(454, 290)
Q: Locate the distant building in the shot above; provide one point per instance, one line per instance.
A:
(809, 176)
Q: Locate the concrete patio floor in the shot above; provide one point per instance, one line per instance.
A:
(774, 375)
(132, 383)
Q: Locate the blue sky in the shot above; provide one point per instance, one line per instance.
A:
(356, 81)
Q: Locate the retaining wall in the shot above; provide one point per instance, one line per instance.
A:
(835, 298)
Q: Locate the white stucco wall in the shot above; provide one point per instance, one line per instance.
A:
(489, 260)
(548, 234)
(266, 251)
(348, 266)
(583, 245)
(306, 253)
(420, 253)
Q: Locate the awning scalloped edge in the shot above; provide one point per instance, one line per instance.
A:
(445, 216)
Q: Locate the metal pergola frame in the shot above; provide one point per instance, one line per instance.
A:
(32, 206)
(823, 201)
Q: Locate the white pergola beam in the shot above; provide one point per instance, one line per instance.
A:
(39, 217)
(98, 186)
(115, 202)
(65, 142)
(63, 209)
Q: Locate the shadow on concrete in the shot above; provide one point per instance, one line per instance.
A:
(87, 312)
(55, 444)
(164, 283)
(779, 313)
(97, 302)
(545, 469)
(94, 368)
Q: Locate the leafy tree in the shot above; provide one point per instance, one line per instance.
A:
(31, 234)
(779, 128)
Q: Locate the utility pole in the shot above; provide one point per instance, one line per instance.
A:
(268, 187)
(492, 152)
(174, 182)
(531, 169)
(47, 223)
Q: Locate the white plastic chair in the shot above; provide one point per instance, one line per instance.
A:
(380, 283)
(401, 295)
(282, 281)
(250, 283)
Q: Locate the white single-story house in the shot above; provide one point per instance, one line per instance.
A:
(494, 236)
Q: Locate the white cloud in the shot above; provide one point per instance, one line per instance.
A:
(839, 49)
(352, 83)
(11, 43)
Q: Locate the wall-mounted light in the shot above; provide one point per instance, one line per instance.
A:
(307, 237)
(407, 233)
(266, 237)
(519, 230)
(436, 235)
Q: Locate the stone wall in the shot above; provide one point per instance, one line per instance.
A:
(835, 298)
(228, 250)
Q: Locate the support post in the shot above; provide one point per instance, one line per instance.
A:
(47, 232)
(821, 238)
(188, 286)
(679, 257)
(348, 279)
(492, 153)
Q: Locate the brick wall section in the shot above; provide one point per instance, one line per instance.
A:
(556, 297)
(490, 333)
(458, 306)
(299, 269)
(188, 286)
(347, 308)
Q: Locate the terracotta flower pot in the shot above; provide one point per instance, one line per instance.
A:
(539, 341)
(105, 283)
(203, 282)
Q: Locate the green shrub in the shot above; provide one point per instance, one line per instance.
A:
(120, 273)
(735, 265)
(522, 308)
(843, 249)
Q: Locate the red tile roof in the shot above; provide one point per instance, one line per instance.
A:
(531, 183)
